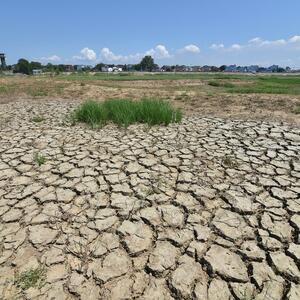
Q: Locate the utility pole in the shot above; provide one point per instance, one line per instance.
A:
(3, 63)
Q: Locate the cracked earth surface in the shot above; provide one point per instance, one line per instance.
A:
(206, 209)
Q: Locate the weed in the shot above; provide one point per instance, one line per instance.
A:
(37, 119)
(39, 159)
(32, 278)
(221, 84)
(38, 92)
(124, 112)
(214, 83)
(229, 162)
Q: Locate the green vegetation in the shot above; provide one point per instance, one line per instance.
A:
(230, 162)
(37, 119)
(39, 159)
(221, 84)
(32, 278)
(124, 112)
(148, 76)
(230, 83)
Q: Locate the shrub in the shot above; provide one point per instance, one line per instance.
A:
(124, 112)
(31, 278)
(37, 119)
(39, 159)
(221, 84)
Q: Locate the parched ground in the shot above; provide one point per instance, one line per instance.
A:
(206, 209)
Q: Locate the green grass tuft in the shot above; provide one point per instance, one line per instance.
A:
(215, 83)
(124, 112)
(31, 278)
(39, 159)
(37, 119)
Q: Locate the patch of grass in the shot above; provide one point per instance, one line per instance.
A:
(37, 119)
(39, 159)
(124, 112)
(32, 278)
(229, 162)
(36, 92)
(221, 84)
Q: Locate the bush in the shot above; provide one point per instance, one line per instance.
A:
(221, 84)
(124, 112)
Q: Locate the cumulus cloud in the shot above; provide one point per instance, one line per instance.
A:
(217, 46)
(295, 39)
(52, 58)
(258, 42)
(86, 54)
(236, 47)
(191, 48)
(108, 55)
(159, 52)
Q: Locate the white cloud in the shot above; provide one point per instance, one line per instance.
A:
(52, 58)
(89, 54)
(108, 55)
(217, 46)
(295, 39)
(273, 43)
(191, 48)
(256, 40)
(235, 47)
(86, 54)
(159, 52)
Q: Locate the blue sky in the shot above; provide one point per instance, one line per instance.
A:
(189, 32)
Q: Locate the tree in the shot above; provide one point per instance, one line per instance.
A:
(99, 67)
(147, 63)
(23, 66)
(35, 65)
(222, 68)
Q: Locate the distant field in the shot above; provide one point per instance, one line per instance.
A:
(228, 95)
(231, 83)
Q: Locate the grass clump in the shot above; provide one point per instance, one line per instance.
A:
(37, 119)
(215, 83)
(230, 162)
(32, 278)
(39, 159)
(124, 112)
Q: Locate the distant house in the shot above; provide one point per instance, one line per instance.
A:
(69, 68)
(112, 68)
(273, 68)
(231, 68)
(36, 72)
(205, 68)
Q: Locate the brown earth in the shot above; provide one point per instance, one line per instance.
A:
(193, 96)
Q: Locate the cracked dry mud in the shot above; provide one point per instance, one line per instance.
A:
(206, 209)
